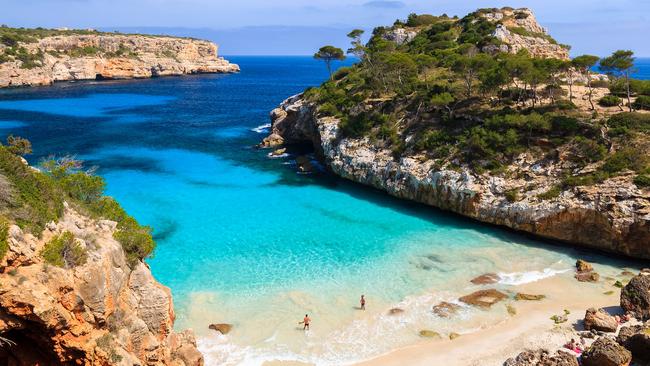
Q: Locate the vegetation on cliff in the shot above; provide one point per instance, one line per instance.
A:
(452, 94)
(33, 198)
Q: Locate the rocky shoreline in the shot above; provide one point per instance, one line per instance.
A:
(612, 216)
(100, 313)
(110, 56)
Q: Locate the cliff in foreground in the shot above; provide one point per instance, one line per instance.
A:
(31, 57)
(74, 289)
(457, 117)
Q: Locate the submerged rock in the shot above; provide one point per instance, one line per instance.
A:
(304, 164)
(486, 279)
(484, 298)
(599, 319)
(222, 328)
(445, 309)
(606, 352)
(635, 296)
(429, 334)
(395, 311)
(528, 297)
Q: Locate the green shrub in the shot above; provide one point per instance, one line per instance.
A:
(415, 20)
(610, 101)
(83, 186)
(37, 199)
(642, 102)
(4, 237)
(588, 150)
(512, 195)
(629, 121)
(553, 192)
(64, 251)
(642, 180)
(627, 158)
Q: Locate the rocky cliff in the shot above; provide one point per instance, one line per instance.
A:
(42, 61)
(612, 216)
(100, 313)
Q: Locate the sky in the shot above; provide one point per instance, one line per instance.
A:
(299, 27)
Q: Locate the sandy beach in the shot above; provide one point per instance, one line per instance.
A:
(530, 328)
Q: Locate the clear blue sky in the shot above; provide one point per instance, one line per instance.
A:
(299, 26)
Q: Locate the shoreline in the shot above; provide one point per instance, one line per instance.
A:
(492, 344)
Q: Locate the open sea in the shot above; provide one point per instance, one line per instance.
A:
(245, 239)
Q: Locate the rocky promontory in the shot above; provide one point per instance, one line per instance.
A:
(103, 312)
(612, 216)
(41, 57)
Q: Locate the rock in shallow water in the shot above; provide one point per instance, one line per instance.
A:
(484, 298)
(485, 279)
(222, 328)
(528, 297)
(445, 309)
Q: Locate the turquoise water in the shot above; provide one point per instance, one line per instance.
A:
(244, 239)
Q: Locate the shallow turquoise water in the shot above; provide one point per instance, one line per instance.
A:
(245, 239)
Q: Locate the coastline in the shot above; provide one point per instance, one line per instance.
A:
(494, 342)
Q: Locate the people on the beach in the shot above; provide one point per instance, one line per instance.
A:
(574, 346)
(623, 318)
(363, 302)
(306, 322)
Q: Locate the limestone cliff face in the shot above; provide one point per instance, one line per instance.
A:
(613, 216)
(113, 56)
(519, 30)
(99, 313)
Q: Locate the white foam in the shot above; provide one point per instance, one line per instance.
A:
(520, 278)
(262, 128)
(273, 156)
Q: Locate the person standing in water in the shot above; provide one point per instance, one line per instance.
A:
(306, 322)
(363, 302)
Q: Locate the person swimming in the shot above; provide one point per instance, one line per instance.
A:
(363, 302)
(306, 322)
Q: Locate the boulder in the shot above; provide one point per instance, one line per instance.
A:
(453, 335)
(272, 140)
(583, 266)
(304, 164)
(429, 334)
(587, 276)
(635, 296)
(486, 279)
(599, 319)
(606, 352)
(528, 297)
(445, 309)
(222, 328)
(279, 152)
(484, 298)
(636, 339)
(542, 358)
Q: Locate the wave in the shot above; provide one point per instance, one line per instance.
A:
(262, 128)
(520, 278)
(272, 156)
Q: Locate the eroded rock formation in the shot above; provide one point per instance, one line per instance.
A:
(100, 313)
(112, 56)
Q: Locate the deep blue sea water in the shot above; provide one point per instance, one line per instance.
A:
(245, 239)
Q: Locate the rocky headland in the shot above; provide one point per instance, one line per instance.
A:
(33, 57)
(402, 142)
(100, 313)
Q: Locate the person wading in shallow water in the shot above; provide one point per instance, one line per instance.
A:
(363, 302)
(306, 322)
